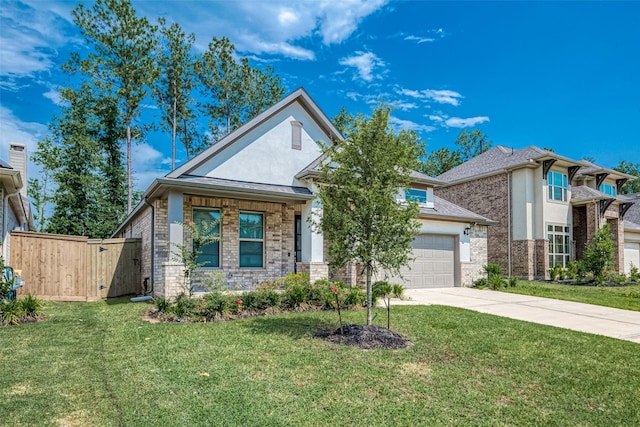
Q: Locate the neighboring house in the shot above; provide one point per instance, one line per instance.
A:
(548, 206)
(259, 182)
(631, 232)
(15, 206)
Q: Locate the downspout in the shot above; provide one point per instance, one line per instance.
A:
(153, 242)
(148, 293)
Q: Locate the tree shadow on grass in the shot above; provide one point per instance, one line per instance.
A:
(295, 326)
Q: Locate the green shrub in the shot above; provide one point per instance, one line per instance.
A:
(11, 312)
(397, 291)
(481, 283)
(555, 272)
(185, 306)
(493, 270)
(598, 256)
(295, 295)
(380, 289)
(634, 273)
(512, 282)
(215, 304)
(355, 297)
(572, 269)
(496, 282)
(162, 304)
(260, 299)
(31, 306)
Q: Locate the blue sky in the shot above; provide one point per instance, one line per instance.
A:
(561, 75)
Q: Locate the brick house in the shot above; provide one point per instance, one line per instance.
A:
(259, 182)
(547, 206)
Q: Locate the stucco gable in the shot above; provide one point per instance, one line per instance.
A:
(262, 150)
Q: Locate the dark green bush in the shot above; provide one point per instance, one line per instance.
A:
(260, 299)
(31, 306)
(496, 282)
(215, 304)
(481, 283)
(162, 304)
(11, 312)
(493, 270)
(513, 282)
(634, 274)
(185, 306)
(355, 297)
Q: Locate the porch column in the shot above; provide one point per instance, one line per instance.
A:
(313, 261)
(173, 272)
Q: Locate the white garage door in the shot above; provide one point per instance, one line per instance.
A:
(631, 255)
(434, 263)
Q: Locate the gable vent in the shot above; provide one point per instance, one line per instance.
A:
(296, 135)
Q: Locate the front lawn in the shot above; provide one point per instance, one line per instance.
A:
(100, 364)
(625, 297)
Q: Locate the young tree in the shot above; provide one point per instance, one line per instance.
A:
(440, 161)
(472, 144)
(172, 90)
(120, 63)
(598, 255)
(361, 219)
(37, 191)
(630, 168)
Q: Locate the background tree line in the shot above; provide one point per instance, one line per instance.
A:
(130, 65)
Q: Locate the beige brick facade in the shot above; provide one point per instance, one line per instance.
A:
(472, 270)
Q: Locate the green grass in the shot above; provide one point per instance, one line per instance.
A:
(625, 297)
(100, 364)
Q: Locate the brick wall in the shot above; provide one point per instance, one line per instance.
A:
(523, 259)
(487, 197)
(279, 239)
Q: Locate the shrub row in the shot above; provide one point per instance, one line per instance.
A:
(292, 293)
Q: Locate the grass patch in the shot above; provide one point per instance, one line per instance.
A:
(624, 297)
(100, 364)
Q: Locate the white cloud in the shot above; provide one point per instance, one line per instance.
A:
(147, 164)
(438, 119)
(457, 122)
(420, 40)
(54, 96)
(365, 63)
(271, 27)
(403, 106)
(440, 96)
(409, 125)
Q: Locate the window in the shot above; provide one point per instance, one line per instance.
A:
(210, 255)
(559, 245)
(608, 189)
(251, 239)
(296, 135)
(298, 241)
(557, 183)
(416, 195)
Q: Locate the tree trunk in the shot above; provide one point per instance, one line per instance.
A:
(129, 182)
(173, 133)
(369, 296)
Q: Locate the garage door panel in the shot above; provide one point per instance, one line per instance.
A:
(631, 255)
(433, 263)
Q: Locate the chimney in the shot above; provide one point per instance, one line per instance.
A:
(18, 161)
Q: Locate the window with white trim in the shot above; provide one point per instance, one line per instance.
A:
(251, 239)
(559, 245)
(416, 195)
(210, 255)
(557, 186)
(608, 189)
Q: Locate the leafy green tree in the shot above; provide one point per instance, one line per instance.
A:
(37, 191)
(472, 144)
(172, 90)
(361, 219)
(440, 161)
(598, 256)
(343, 121)
(236, 92)
(120, 63)
(630, 168)
(82, 160)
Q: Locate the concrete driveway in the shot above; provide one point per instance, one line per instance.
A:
(594, 319)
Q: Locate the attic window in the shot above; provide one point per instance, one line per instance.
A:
(296, 135)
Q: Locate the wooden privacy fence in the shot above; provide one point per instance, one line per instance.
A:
(72, 268)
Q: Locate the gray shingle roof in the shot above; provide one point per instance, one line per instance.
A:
(445, 209)
(633, 214)
(498, 159)
(242, 186)
(582, 192)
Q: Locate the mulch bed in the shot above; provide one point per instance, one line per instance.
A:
(365, 337)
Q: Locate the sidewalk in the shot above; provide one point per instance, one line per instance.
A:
(594, 319)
